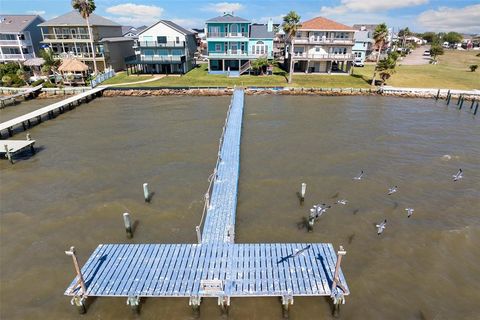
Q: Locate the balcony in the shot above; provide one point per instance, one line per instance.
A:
(238, 54)
(138, 59)
(17, 56)
(80, 55)
(65, 36)
(323, 56)
(155, 44)
(324, 40)
(227, 35)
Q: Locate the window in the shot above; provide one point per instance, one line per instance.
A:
(317, 49)
(218, 47)
(177, 39)
(162, 39)
(260, 48)
(163, 52)
(148, 52)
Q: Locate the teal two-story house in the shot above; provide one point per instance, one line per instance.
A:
(234, 42)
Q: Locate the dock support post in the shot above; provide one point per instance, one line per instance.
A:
(79, 299)
(134, 303)
(128, 224)
(311, 219)
(473, 103)
(24, 126)
(224, 303)
(10, 133)
(8, 154)
(194, 302)
(438, 94)
(199, 236)
(39, 119)
(461, 103)
(459, 99)
(476, 109)
(286, 302)
(146, 193)
(302, 192)
(336, 295)
(449, 96)
(29, 123)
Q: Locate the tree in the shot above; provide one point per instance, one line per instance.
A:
(86, 8)
(436, 50)
(290, 25)
(51, 64)
(404, 33)
(473, 67)
(380, 36)
(453, 37)
(431, 37)
(261, 64)
(386, 67)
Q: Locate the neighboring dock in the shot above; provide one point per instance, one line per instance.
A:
(12, 147)
(30, 92)
(28, 119)
(216, 267)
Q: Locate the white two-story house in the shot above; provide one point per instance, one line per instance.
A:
(322, 46)
(19, 37)
(164, 47)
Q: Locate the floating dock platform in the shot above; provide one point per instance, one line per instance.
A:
(216, 266)
(11, 147)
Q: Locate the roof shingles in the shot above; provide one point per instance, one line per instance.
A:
(320, 23)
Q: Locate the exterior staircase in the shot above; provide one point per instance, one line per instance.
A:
(245, 67)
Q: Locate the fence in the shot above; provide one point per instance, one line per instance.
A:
(102, 77)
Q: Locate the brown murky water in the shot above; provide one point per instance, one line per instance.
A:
(93, 160)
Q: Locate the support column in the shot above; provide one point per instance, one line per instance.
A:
(134, 303)
(194, 302)
(224, 303)
(286, 302)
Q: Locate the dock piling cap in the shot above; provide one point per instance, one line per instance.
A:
(71, 252)
(341, 252)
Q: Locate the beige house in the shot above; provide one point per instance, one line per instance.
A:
(67, 36)
(322, 46)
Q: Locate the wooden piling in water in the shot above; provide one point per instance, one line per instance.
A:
(438, 94)
(476, 109)
(473, 103)
(128, 225)
(461, 103)
(449, 96)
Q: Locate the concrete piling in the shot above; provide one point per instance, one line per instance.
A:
(302, 191)
(128, 225)
(146, 193)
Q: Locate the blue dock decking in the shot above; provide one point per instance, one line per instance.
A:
(216, 266)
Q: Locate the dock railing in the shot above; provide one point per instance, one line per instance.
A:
(99, 78)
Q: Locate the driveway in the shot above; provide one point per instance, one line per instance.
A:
(416, 57)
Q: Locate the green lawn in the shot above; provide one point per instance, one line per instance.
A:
(121, 77)
(451, 72)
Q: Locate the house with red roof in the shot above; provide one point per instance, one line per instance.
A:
(322, 46)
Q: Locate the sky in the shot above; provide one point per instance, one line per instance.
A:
(419, 15)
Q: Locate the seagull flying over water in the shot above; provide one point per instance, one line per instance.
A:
(409, 212)
(359, 177)
(381, 226)
(342, 201)
(392, 190)
(458, 175)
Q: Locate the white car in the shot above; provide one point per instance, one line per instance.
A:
(358, 63)
(426, 53)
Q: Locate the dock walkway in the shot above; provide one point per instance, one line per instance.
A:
(216, 266)
(13, 97)
(25, 120)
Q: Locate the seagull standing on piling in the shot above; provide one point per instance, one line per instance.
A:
(458, 175)
(392, 190)
(359, 177)
(409, 212)
(381, 226)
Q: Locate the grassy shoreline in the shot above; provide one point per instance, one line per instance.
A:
(451, 72)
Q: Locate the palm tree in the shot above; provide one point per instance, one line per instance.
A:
(380, 35)
(386, 67)
(291, 24)
(86, 8)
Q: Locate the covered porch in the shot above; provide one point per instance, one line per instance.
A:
(222, 66)
(322, 67)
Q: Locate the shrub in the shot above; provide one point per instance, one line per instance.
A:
(473, 67)
(8, 69)
(37, 82)
(48, 84)
(6, 80)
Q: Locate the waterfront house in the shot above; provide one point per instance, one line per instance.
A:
(165, 47)
(67, 36)
(233, 42)
(132, 32)
(322, 46)
(363, 46)
(19, 37)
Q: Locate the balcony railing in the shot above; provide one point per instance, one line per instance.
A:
(239, 52)
(323, 40)
(159, 59)
(86, 55)
(17, 56)
(172, 44)
(66, 36)
(227, 35)
(15, 43)
(323, 56)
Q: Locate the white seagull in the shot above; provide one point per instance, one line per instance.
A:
(458, 175)
(392, 190)
(359, 177)
(409, 212)
(381, 226)
(342, 201)
(320, 209)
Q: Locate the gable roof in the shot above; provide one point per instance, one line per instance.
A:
(259, 31)
(16, 22)
(321, 23)
(170, 24)
(73, 18)
(227, 17)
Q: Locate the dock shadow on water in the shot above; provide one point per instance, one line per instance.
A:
(74, 191)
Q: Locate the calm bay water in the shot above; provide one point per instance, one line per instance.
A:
(93, 160)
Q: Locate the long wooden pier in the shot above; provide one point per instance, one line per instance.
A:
(215, 266)
(27, 120)
(24, 94)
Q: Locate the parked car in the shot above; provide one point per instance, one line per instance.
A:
(426, 53)
(358, 63)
